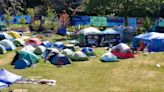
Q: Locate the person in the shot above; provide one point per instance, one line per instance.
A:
(142, 46)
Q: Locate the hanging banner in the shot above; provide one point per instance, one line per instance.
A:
(132, 22)
(98, 21)
(115, 21)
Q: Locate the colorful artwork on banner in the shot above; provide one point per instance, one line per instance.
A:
(98, 21)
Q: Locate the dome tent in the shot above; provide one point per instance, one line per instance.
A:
(19, 42)
(34, 42)
(49, 52)
(47, 44)
(2, 49)
(8, 44)
(3, 85)
(27, 55)
(70, 46)
(108, 57)
(79, 56)
(5, 36)
(21, 64)
(88, 51)
(28, 48)
(59, 45)
(39, 50)
(122, 51)
(59, 59)
(67, 52)
(14, 34)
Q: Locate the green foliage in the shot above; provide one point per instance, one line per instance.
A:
(147, 23)
(31, 12)
(47, 24)
(22, 21)
(35, 25)
(8, 18)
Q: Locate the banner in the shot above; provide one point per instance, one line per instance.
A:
(80, 20)
(115, 21)
(132, 22)
(98, 21)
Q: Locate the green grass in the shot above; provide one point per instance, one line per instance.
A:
(138, 74)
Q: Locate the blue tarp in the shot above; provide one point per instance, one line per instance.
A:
(8, 77)
(62, 31)
(115, 21)
(3, 85)
(132, 22)
(81, 20)
(154, 41)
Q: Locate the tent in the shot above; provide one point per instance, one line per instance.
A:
(122, 51)
(67, 52)
(108, 57)
(50, 51)
(34, 42)
(2, 49)
(27, 55)
(8, 77)
(59, 59)
(79, 56)
(8, 44)
(14, 34)
(39, 50)
(70, 46)
(47, 44)
(89, 36)
(110, 36)
(153, 41)
(28, 48)
(21, 64)
(3, 85)
(59, 45)
(19, 42)
(5, 36)
(88, 51)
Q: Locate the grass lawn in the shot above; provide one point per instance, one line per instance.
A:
(138, 74)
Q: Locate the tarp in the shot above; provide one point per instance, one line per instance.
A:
(110, 31)
(3, 85)
(8, 77)
(5, 36)
(112, 21)
(90, 31)
(108, 57)
(7, 44)
(98, 21)
(80, 20)
(153, 41)
(132, 22)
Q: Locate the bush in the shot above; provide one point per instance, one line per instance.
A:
(22, 21)
(35, 25)
(47, 25)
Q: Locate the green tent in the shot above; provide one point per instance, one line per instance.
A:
(70, 46)
(29, 56)
(79, 56)
(19, 42)
(67, 52)
(39, 50)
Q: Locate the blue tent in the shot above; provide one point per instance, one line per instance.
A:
(154, 41)
(21, 64)
(47, 44)
(8, 77)
(3, 85)
(59, 45)
(62, 31)
(88, 51)
(110, 31)
(9, 45)
(59, 59)
(6, 36)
